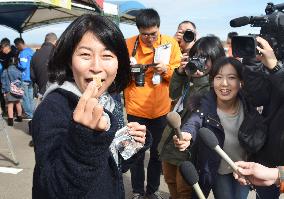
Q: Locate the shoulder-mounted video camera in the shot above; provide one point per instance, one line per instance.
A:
(138, 70)
(272, 30)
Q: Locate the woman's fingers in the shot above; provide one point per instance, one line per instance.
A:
(80, 108)
(102, 124)
(138, 131)
(88, 111)
(139, 139)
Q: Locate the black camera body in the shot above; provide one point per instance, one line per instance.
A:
(245, 46)
(188, 36)
(272, 30)
(138, 71)
(195, 63)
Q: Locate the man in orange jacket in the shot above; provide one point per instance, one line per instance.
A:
(149, 102)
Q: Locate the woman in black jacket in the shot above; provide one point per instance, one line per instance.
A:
(226, 112)
(77, 120)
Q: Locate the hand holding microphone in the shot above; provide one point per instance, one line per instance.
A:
(211, 141)
(174, 121)
(190, 176)
(181, 139)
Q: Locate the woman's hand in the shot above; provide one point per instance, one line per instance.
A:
(88, 111)
(137, 131)
(267, 56)
(182, 144)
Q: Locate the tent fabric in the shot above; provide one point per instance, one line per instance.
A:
(128, 10)
(26, 15)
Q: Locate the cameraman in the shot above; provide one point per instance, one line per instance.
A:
(182, 28)
(150, 103)
(264, 82)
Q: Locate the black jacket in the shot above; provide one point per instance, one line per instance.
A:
(205, 115)
(39, 64)
(267, 90)
(73, 161)
(5, 58)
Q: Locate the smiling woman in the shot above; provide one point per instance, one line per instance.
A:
(76, 122)
(227, 112)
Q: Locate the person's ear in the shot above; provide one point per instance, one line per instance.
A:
(241, 84)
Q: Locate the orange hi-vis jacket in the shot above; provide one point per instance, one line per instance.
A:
(151, 101)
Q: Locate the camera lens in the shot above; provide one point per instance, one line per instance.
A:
(191, 67)
(195, 63)
(139, 79)
(188, 36)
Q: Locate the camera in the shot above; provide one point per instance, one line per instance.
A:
(138, 71)
(272, 30)
(195, 63)
(188, 36)
(244, 46)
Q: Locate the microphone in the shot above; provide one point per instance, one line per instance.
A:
(190, 176)
(174, 121)
(242, 21)
(238, 22)
(211, 141)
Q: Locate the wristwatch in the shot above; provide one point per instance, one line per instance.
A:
(281, 178)
(278, 66)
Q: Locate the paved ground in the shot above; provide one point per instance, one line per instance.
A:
(19, 186)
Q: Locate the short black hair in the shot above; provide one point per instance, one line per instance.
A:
(208, 47)
(5, 42)
(222, 61)
(232, 34)
(187, 21)
(19, 41)
(107, 32)
(147, 18)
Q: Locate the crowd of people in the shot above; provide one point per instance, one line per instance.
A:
(79, 113)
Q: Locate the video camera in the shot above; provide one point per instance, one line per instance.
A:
(138, 70)
(272, 30)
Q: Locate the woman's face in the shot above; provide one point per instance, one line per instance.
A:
(92, 59)
(226, 84)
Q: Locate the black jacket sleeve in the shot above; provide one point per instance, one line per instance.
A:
(256, 83)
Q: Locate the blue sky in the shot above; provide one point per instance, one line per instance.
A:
(210, 17)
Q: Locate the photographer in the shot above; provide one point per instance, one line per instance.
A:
(147, 97)
(264, 82)
(186, 35)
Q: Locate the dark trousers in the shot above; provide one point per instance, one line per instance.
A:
(271, 192)
(156, 128)
(2, 101)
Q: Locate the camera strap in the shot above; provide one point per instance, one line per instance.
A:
(135, 47)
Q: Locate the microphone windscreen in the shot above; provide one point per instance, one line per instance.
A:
(238, 22)
(189, 173)
(174, 120)
(208, 137)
